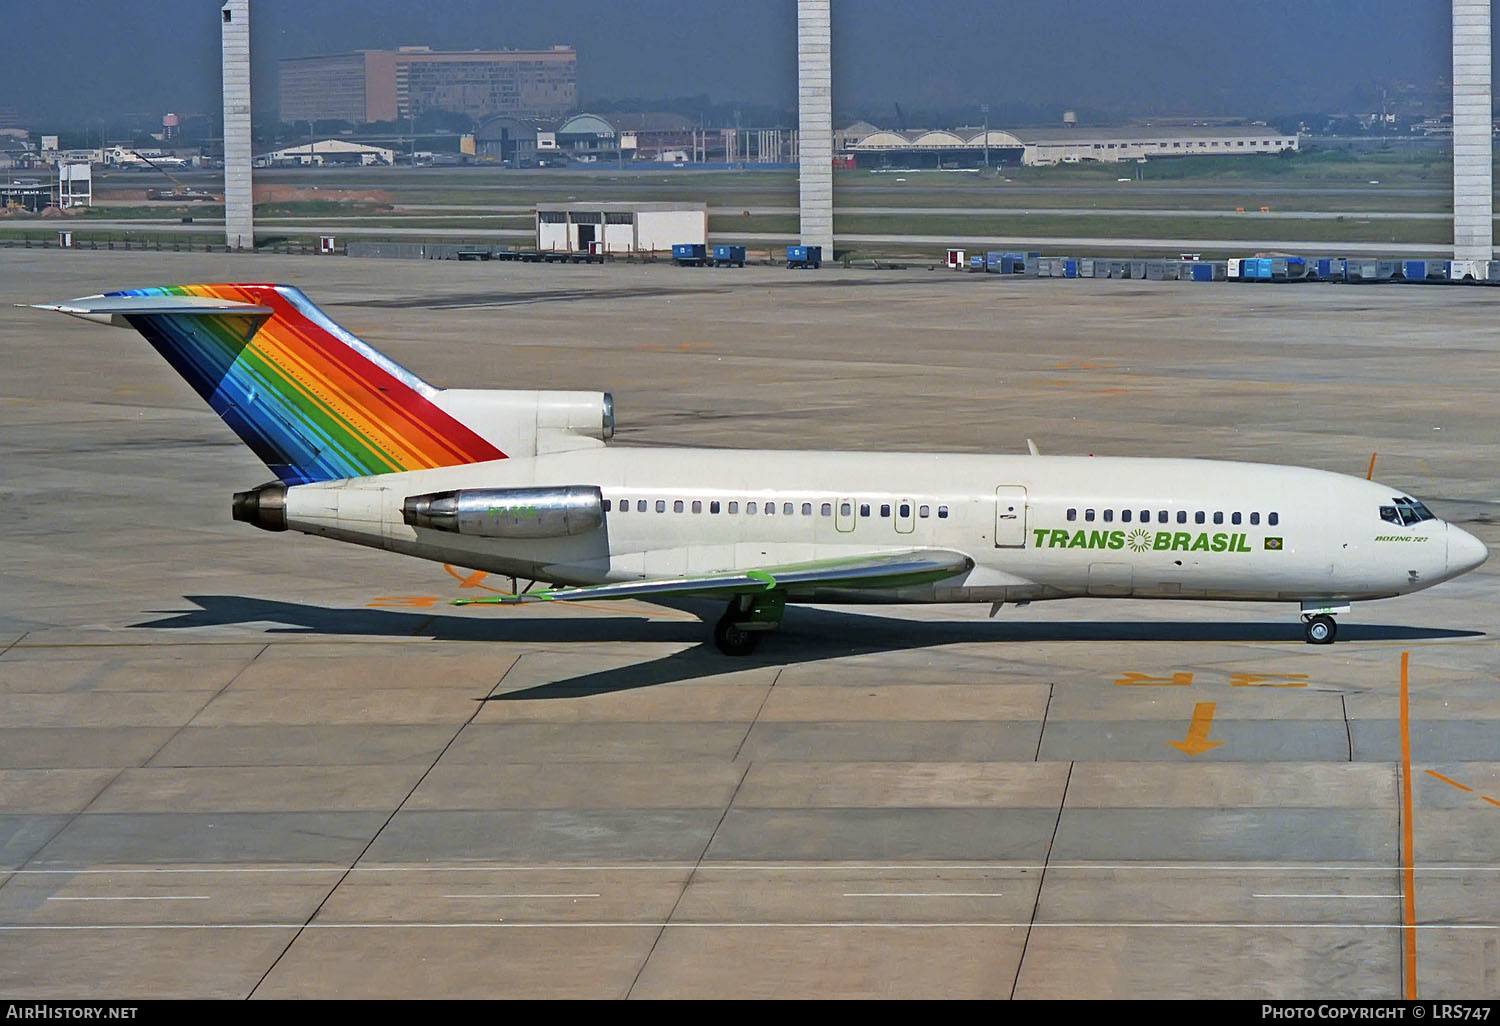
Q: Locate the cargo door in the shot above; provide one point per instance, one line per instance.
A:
(1010, 517)
(844, 515)
(1109, 579)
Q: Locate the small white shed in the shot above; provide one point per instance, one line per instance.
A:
(621, 227)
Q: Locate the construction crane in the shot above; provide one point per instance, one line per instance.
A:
(180, 190)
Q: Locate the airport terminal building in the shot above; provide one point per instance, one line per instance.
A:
(385, 85)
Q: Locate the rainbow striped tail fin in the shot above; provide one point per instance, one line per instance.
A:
(314, 402)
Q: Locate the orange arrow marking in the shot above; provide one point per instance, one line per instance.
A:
(1197, 742)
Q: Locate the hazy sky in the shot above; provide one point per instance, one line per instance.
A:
(93, 59)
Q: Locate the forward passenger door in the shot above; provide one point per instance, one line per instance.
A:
(1010, 517)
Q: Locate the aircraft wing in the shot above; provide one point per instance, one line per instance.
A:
(878, 570)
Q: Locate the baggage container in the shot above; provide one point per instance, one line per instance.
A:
(1087, 268)
(804, 257)
(729, 256)
(1414, 270)
(1464, 270)
(1138, 269)
(690, 254)
(1201, 271)
(976, 263)
(1232, 269)
(1069, 267)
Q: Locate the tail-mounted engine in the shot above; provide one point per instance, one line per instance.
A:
(509, 512)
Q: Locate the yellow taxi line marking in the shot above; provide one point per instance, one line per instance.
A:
(1408, 875)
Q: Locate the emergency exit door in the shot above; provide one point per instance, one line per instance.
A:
(1010, 517)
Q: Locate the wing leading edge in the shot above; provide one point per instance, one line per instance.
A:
(883, 570)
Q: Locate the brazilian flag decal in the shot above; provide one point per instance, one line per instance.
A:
(1273, 543)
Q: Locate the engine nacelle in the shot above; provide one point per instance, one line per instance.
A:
(530, 423)
(509, 512)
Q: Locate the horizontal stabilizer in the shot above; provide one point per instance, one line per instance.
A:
(114, 309)
(880, 570)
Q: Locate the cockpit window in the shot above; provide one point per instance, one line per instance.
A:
(1412, 511)
(1389, 514)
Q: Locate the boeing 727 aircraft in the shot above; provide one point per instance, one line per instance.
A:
(522, 483)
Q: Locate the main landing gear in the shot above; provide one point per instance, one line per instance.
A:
(747, 618)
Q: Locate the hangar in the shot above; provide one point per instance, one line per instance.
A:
(1066, 145)
(620, 227)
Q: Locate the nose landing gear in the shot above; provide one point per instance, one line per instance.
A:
(1320, 629)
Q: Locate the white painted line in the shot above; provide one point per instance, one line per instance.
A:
(924, 894)
(183, 897)
(520, 895)
(1325, 895)
(657, 925)
(843, 867)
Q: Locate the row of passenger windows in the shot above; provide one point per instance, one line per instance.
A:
(769, 509)
(1128, 516)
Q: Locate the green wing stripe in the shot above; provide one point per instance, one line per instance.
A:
(882, 570)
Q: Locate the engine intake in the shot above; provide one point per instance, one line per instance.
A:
(509, 512)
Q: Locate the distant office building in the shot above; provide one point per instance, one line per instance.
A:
(384, 85)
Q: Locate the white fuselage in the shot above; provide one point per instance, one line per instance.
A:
(1036, 527)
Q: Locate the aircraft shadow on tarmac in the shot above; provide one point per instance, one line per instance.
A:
(807, 635)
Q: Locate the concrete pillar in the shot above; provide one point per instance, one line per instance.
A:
(239, 208)
(1473, 155)
(815, 122)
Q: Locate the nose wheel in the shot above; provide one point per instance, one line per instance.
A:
(1320, 629)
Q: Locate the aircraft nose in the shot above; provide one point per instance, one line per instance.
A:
(1465, 551)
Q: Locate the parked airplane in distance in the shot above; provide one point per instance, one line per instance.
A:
(522, 483)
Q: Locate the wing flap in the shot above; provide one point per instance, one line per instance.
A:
(880, 570)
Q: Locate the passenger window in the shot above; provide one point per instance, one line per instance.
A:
(845, 509)
(1389, 514)
(1218, 518)
(942, 512)
(864, 509)
(1234, 518)
(750, 508)
(640, 505)
(1109, 516)
(1198, 517)
(661, 505)
(1088, 515)
(770, 509)
(826, 509)
(885, 509)
(1182, 516)
(1273, 519)
(788, 508)
(713, 507)
(697, 506)
(807, 509)
(734, 507)
(677, 506)
(1145, 516)
(1254, 519)
(1161, 516)
(607, 505)
(924, 511)
(1072, 514)
(1125, 516)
